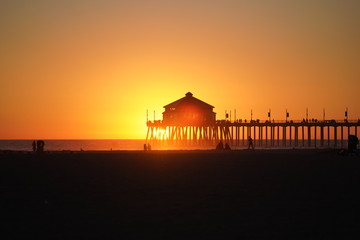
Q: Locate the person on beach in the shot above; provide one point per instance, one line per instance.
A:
(145, 147)
(34, 146)
(353, 141)
(227, 146)
(149, 147)
(220, 146)
(40, 146)
(250, 142)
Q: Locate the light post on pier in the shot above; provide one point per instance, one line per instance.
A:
(346, 114)
(307, 115)
(287, 115)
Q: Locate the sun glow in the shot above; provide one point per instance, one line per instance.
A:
(161, 134)
(92, 70)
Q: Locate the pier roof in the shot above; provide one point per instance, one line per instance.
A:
(188, 99)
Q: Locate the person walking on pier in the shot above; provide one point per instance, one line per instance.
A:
(250, 142)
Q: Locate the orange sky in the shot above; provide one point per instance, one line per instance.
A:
(91, 69)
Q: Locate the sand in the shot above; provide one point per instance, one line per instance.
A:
(267, 194)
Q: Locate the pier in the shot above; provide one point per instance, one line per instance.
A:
(189, 121)
(280, 134)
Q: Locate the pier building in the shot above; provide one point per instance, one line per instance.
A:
(188, 111)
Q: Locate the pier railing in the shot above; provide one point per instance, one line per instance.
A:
(333, 121)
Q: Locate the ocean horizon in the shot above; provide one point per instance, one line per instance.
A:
(74, 144)
(136, 144)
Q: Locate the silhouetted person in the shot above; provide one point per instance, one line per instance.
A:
(250, 142)
(353, 141)
(220, 146)
(40, 146)
(34, 146)
(149, 147)
(145, 147)
(227, 147)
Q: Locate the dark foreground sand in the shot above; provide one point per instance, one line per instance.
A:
(292, 194)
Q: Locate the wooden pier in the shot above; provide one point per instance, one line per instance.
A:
(279, 134)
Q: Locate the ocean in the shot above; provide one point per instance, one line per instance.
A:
(75, 145)
(131, 144)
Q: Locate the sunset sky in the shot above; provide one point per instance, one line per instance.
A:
(79, 69)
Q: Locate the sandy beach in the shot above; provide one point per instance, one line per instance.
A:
(265, 194)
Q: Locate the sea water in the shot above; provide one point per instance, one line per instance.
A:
(138, 144)
(75, 145)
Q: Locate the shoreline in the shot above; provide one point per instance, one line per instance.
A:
(179, 150)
